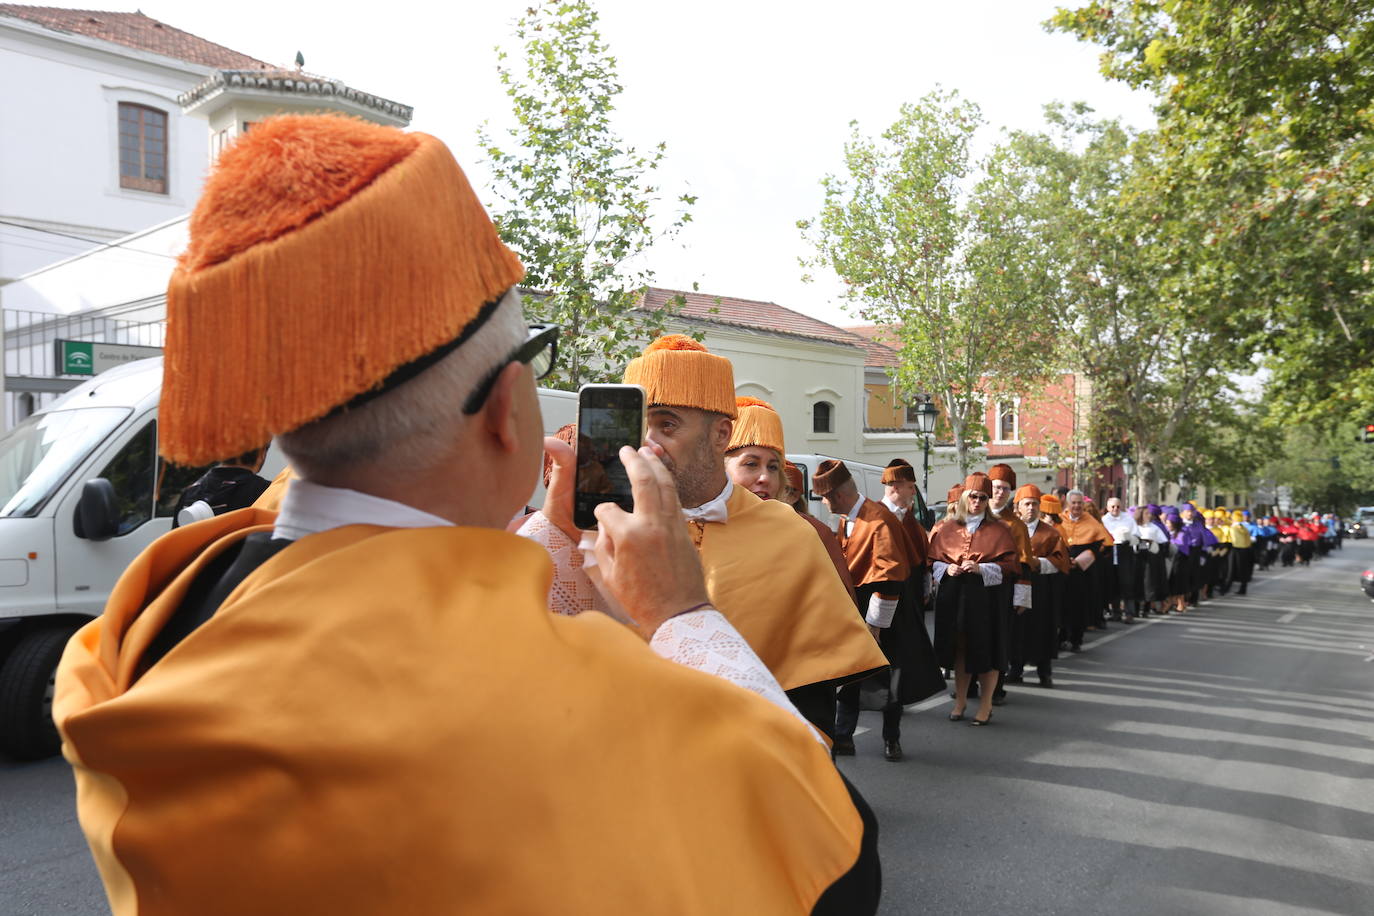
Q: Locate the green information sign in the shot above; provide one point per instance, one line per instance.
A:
(92, 357)
(76, 357)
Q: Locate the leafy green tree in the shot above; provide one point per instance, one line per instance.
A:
(920, 237)
(1158, 335)
(1266, 111)
(575, 201)
(1328, 469)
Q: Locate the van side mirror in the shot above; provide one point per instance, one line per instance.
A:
(97, 514)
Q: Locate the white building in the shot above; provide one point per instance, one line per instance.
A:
(96, 145)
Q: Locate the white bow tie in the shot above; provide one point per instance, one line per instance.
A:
(714, 511)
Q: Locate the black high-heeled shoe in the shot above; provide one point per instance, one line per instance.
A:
(977, 721)
(956, 717)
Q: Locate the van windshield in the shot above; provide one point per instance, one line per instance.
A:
(38, 454)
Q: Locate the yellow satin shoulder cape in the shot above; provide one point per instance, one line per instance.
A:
(391, 721)
(771, 577)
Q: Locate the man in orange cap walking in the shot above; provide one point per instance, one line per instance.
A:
(294, 712)
(880, 563)
(1035, 632)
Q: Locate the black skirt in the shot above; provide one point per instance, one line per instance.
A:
(1179, 572)
(965, 606)
(1155, 569)
(1242, 564)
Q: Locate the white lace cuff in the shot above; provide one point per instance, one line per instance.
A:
(1047, 568)
(572, 591)
(992, 573)
(937, 571)
(706, 641)
(1020, 595)
(880, 611)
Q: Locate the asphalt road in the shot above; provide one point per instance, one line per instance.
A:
(1216, 763)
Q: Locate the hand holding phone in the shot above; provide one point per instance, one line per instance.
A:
(609, 418)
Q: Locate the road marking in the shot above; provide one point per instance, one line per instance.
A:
(1293, 614)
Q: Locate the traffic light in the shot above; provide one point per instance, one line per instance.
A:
(1369, 432)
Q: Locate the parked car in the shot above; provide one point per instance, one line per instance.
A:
(1356, 530)
(1367, 582)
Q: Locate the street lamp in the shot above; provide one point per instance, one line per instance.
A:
(1127, 465)
(926, 415)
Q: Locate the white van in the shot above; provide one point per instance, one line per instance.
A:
(869, 477)
(83, 492)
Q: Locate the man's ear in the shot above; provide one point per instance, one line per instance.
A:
(498, 414)
(720, 435)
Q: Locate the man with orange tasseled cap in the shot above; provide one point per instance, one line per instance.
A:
(1035, 632)
(1016, 595)
(295, 712)
(765, 570)
(1085, 537)
(880, 562)
(972, 553)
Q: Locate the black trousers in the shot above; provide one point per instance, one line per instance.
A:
(847, 706)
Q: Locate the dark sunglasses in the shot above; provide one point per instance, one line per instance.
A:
(539, 352)
(977, 496)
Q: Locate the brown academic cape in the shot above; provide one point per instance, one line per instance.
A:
(963, 604)
(768, 573)
(1022, 538)
(882, 559)
(919, 542)
(876, 549)
(1082, 595)
(338, 738)
(1087, 530)
(832, 547)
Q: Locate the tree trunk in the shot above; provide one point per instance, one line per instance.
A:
(1147, 481)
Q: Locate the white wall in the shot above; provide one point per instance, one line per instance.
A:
(59, 161)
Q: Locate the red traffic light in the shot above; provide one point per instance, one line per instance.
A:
(1369, 432)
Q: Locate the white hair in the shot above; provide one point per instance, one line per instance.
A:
(1075, 493)
(404, 429)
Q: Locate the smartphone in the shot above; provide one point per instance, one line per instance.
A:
(608, 418)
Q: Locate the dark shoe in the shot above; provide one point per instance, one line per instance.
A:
(956, 717)
(1076, 647)
(1016, 678)
(844, 747)
(892, 750)
(999, 699)
(977, 721)
(1047, 682)
(1128, 620)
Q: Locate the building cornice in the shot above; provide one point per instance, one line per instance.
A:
(274, 85)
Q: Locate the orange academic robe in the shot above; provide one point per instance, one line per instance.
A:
(876, 549)
(769, 574)
(337, 739)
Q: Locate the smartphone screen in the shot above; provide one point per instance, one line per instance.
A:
(608, 418)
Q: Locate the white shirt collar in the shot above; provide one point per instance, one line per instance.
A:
(896, 509)
(973, 521)
(853, 512)
(1031, 526)
(713, 511)
(310, 508)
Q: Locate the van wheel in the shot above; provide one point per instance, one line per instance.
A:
(27, 677)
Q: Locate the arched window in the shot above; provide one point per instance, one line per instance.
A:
(1008, 422)
(822, 417)
(142, 148)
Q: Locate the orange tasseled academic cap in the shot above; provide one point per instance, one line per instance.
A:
(980, 482)
(1050, 504)
(899, 470)
(830, 474)
(795, 479)
(757, 424)
(329, 257)
(677, 371)
(1029, 491)
(1004, 473)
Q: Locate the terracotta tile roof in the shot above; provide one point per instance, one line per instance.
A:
(134, 30)
(753, 314)
(880, 345)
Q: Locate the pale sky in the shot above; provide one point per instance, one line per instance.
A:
(753, 99)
